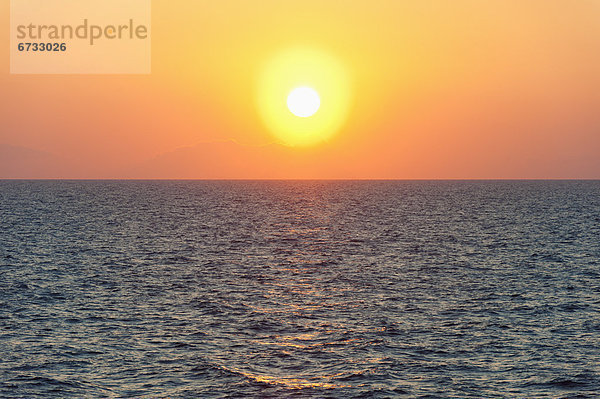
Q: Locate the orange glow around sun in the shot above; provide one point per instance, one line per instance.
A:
(313, 81)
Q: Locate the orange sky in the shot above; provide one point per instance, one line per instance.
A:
(440, 89)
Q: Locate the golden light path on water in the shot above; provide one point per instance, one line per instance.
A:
(289, 382)
(301, 342)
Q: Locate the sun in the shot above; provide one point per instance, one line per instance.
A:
(303, 96)
(303, 102)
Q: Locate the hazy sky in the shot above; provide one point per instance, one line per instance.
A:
(438, 89)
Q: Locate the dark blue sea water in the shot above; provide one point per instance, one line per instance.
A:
(188, 289)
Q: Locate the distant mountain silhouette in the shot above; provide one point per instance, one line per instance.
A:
(228, 159)
(209, 160)
(22, 162)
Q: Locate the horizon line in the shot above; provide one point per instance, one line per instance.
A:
(296, 179)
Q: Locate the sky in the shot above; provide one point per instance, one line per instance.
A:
(462, 89)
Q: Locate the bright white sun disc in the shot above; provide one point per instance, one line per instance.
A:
(303, 102)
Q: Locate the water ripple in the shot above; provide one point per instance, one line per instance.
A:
(299, 289)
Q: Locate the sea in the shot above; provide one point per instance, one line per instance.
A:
(299, 289)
